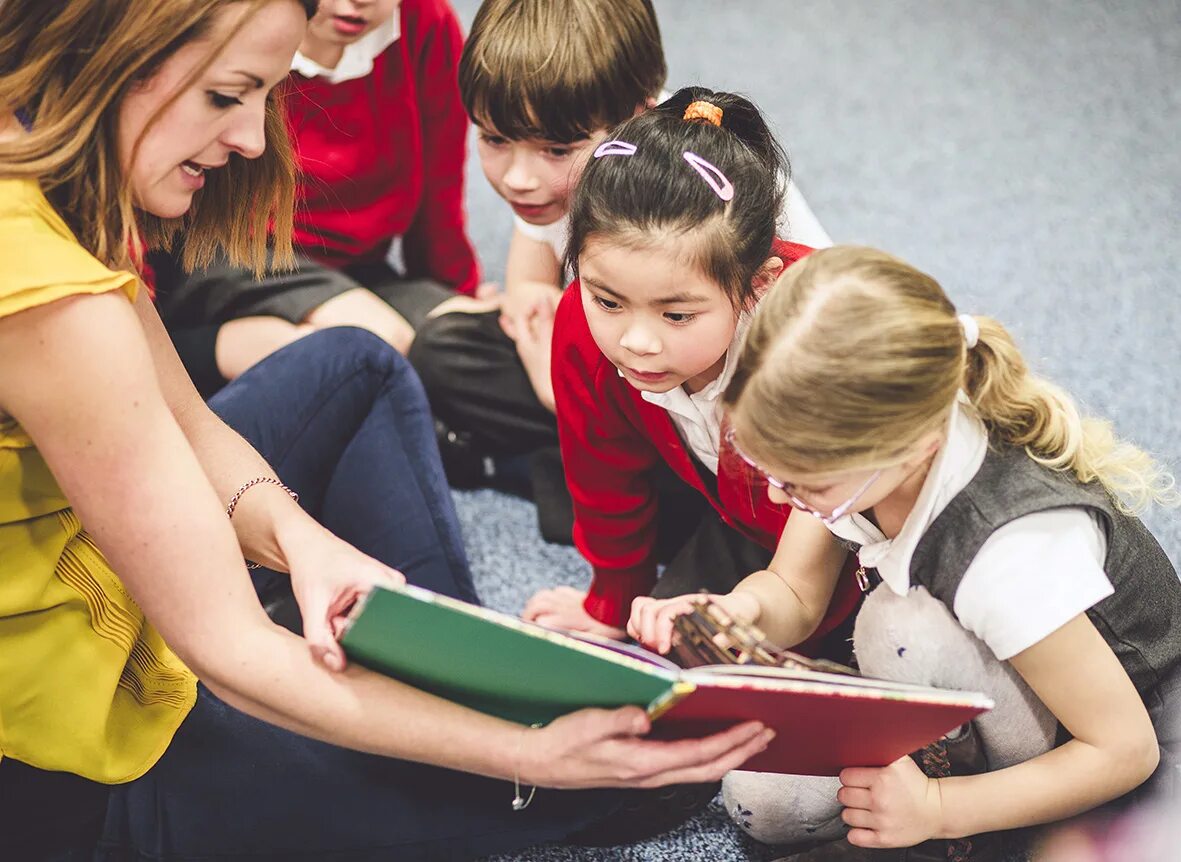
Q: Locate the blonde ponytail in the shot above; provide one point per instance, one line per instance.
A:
(854, 355)
(1027, 411)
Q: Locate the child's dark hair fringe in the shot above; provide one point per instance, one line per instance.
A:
(655, 194)
(559, 70)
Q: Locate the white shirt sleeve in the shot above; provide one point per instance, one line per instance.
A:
(802, 224)
(1031, 577)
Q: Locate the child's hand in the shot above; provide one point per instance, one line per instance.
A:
(523, 301)
(890, 806)
(651, 621)
(534, 347)
(561, 608)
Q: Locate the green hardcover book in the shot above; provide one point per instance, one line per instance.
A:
(503, 666)
(497, 663)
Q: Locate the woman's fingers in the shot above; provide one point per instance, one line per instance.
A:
(697, 760)
(318, 630)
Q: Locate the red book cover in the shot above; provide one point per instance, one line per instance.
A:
(822, 724)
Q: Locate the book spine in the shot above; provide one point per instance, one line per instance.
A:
(676, 693)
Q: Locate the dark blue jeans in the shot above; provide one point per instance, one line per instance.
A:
(344, 421)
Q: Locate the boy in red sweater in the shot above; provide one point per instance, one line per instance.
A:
(380, 133)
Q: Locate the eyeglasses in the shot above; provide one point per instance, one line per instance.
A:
(786, 487)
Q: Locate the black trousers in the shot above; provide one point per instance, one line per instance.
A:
(223, 292)
(477, 385)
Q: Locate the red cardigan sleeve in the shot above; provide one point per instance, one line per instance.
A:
(608, 464)
(436, 244)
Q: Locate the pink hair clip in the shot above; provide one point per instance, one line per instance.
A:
(709, 172)
(614, 148)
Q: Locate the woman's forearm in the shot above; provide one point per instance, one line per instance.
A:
(270, 673)
(227, 460)
(1070, 779)
(265, 511)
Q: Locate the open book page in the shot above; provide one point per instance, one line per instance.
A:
(631, 650)
(756, 675)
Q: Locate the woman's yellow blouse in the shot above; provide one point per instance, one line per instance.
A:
(86, 684)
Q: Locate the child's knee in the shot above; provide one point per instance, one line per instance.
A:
(783, 809)
(361, 308)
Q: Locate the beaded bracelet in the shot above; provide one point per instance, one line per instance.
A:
(258, 480)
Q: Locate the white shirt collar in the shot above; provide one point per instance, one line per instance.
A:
(358, 57)
(957, 461)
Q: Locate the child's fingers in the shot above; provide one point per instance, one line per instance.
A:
(537, 604)
(635, 622)
(854, 797)
(859, 818)
(651, 626)
(859, 776)
(668, 614)
(864, 838)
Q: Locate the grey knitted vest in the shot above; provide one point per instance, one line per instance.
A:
(1141, 620)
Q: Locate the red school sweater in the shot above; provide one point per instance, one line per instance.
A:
(383, 155)
(611, 439)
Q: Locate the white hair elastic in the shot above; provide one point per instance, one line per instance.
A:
(971, 329)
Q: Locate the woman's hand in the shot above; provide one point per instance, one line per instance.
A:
(605, 748)
(890, 806)
(328, 577)
(561, 608)
(651, 621)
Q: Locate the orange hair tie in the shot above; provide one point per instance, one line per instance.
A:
(702, 110)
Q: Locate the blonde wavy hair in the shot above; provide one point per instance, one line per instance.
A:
(854, 356)
(68, 64)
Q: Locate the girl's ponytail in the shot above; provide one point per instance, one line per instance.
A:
(1027, 411)
(854, 355)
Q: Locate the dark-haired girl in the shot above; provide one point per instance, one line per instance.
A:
(673, 241)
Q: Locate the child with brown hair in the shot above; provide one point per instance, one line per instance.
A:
(998, 525)
(543, 81)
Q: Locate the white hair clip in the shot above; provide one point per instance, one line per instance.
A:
(710, 173)
(971, 329)
(614, 148)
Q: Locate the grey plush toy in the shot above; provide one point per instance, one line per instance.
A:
(913, 638)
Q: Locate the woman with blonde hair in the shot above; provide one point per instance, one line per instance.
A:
(134, 653)
(996, 522)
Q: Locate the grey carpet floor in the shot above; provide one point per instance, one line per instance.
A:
(1023, 153)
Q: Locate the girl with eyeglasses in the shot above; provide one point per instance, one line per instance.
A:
(996, 526)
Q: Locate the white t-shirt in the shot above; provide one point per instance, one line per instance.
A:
(552, 234)
(1031, 577)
